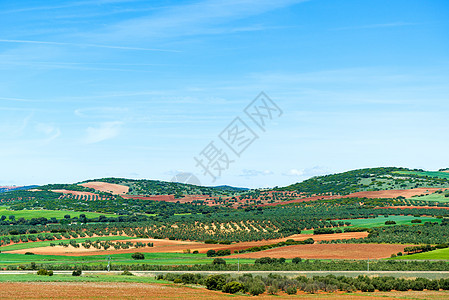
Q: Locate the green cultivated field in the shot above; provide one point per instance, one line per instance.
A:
(427, 173)
(85, 278)
(436, 254)
(432, 197)
(58, 214)
(124, 258)
(380, 221)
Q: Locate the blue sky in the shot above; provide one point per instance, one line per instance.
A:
(138, 89)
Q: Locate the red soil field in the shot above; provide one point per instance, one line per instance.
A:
(329, 251)
(122, 290)
(301, 200)
(394, 193)
(76, 193)
(167, 246)
(112, 188)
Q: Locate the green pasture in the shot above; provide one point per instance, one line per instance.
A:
(380, 221)
(123, 258)
(435, 254)
(85, 278)
(436, 197)
(47, 243)
(39, 213)
(426, 173)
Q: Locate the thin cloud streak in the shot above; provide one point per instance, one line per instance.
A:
(87, 45)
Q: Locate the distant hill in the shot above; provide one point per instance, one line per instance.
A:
(372, 179)
(157, 187)
(230, 188)
(16, 188)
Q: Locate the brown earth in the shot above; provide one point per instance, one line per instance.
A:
(122, 290)
(329, 251)
(167, 246)
(76, 193)
(394, 193)
(112, 188)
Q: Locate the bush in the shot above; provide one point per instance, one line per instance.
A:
(219, 261)
(137, 256)
(296, 260)
(256, 287)
(29, 253)
(291, 290)
(177, 280)
(127, 273)
(77, 272)
(232, 287)
(215, 282)
(272, 290)
(43, 272)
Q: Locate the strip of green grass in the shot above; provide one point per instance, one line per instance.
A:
(124, 259)
(427, 173)
(47, 243)
(435, 254)
(380, 221)
(39, 213)
(84, 278)
(432, 197)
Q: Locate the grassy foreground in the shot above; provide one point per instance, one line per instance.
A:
(438, 254)
(42, 213)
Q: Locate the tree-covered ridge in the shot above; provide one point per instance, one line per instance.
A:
(157, 187)
(373, 179)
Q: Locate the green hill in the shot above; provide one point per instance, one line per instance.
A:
(373, 179)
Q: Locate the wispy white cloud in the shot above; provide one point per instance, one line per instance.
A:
(105, 131)
(86, 45)
(306, 172)
(50, 132)
(382, 25)
(253, 173)
(203, 17)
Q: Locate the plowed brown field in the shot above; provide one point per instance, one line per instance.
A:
(121, 290)
(167, 246)
(394, 193)
(329, 251)
(112, 188)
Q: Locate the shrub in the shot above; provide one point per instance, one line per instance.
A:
(29, 253)
(296, 260)
(272, 290)
(77, 272)
(215, 282)
(137, 256)
(219, 261)
(232, 287)
(177, 280)
(127, 273)
(291, 290)
(256, 287)
(42, 272)
(210, 253)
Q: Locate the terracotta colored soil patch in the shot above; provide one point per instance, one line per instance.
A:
(166, 198)
(121, 290)
(102, 290)
(167, 246)
(414, 207)
(301, 200)
(76, 193)
(329, 251)
(112, 188)
(394, 193)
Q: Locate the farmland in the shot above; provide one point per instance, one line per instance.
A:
(334, 223)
